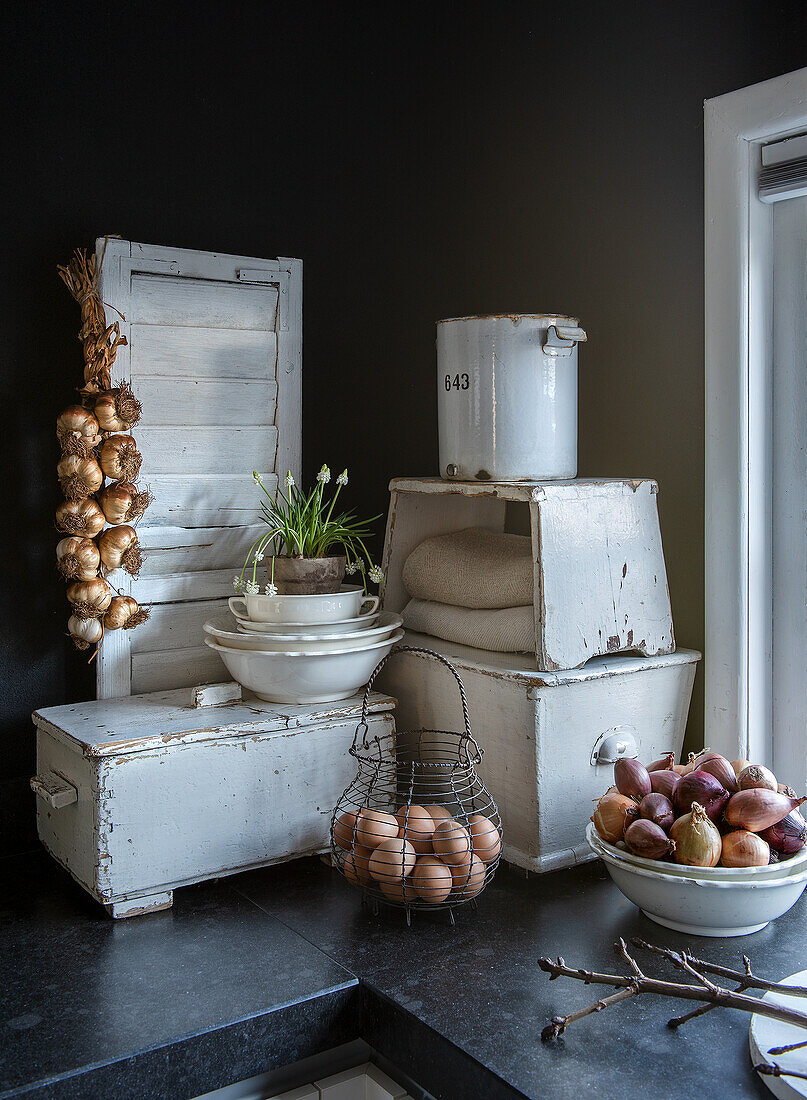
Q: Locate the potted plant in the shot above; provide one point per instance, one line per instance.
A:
(311, 548)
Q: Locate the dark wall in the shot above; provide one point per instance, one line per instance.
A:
(424, 161)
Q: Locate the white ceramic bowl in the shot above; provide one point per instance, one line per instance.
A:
(705, 907)
(302, 643)
(772, 870)
(348, 603)
(304, 677)
(342, 626)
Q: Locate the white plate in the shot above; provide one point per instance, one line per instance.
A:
(301, 643)
(701, 906)
(341, 626)
(764, 1033)
(304, 677)
(772, 870)
(348, 603)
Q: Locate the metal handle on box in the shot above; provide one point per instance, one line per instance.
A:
(561, 340)
(615, 744)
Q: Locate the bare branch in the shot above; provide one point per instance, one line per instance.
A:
(746, 976)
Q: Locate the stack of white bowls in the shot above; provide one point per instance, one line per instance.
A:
(304, 649)
(704, 901)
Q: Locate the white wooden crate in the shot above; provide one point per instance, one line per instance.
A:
(546, 734)
(140, 795)
(600, 577)
(214, 354)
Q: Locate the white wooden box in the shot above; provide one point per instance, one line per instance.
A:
(140, 795)
(600, 577)
(550, 738)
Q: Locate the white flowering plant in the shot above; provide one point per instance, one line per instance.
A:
(303, 525)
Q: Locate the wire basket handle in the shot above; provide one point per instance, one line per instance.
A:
(437, 657)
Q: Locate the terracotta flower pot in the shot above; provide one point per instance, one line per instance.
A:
(307, 576)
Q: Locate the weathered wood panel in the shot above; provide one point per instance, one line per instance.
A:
(175, 626)
(187, 352)
(171, 668)
(204, 501)
(208, 450)
(167, 300)
(181, 549)
(202, 403)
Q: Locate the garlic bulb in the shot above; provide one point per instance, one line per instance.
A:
(122, 502)
(89, 598)
(78, 431)
(79, 477)
(84, 632)
(118, 547)
(117, 410)
(120, 458)
(82, 517)
(124, 611)
(77, 558)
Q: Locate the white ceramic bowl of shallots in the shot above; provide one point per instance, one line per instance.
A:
(703, 905)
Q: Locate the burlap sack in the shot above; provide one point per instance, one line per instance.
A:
(504, 630)
(472, 568)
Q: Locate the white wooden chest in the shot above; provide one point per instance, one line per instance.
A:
(140, 795)
(600, 582)
(550, 738)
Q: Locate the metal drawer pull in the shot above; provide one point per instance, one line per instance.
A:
(55, 790)
(613, 745)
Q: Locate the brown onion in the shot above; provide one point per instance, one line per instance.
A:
(740, 765)
(757, 778)
(758, 809)
(720, 768)
(658, 809)
(703, 788)
(664, 782)
(612, 816)
(632, 779)
(698, 843)
(787, 836)
(744, 849)
(645, 838)
(666, 763)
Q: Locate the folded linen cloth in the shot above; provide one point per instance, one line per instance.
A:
(504, 630)
(472, 568)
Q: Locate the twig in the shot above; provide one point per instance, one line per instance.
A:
(787, 1049)
(637, 983)
(677, 1021)
(770, 1069)
(558, 1024)
(748, 978)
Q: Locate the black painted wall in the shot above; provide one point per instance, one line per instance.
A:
(424, 161)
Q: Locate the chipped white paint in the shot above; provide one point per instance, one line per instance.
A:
(169, 792)
(539, 731)
(215, 356)
(600, 577)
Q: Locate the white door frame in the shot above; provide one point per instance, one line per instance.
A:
(739, 452)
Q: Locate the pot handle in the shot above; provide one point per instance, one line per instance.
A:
(561, 340)
(238, 606)
(369, 605)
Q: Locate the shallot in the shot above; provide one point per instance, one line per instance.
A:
(720, 768)
(666, 763)
(664, 782)
(698, 843)
(758, 809)
(658, 809)
(787, 836)
(744, 849)
(644, 838)
(612, 816)
(701, 787)
(756, 777)
(632, 778)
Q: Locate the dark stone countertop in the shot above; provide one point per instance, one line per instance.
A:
(265, 968)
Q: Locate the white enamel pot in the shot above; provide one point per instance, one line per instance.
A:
(507, 397)
(705, 906)
(304, 677)
(348, 603)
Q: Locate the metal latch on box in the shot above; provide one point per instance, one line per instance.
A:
(55, 790)
(615, 744)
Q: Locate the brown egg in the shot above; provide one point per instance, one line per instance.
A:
(399, 891)
(374, 826)
(343, 830)
(356, 866)
(432, 879)
(417, 826)
(438, 814)
(451, 841)
(468, 877)
(392, 860)
(485, 838)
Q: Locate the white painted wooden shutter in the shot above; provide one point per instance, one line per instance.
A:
(215, 356)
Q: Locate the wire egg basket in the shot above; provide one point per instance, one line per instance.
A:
(417, 829)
